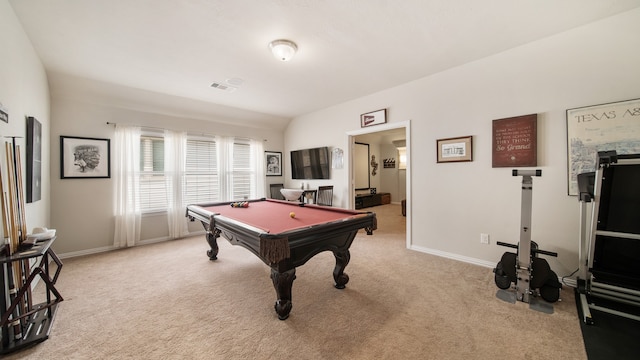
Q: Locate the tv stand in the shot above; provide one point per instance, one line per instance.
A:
(368, 200)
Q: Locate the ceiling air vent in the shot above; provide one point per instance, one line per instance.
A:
(223, 87)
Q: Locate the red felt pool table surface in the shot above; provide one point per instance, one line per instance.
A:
(273, 216)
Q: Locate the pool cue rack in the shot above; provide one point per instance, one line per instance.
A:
(22, 323)
(609, 248)
(530, 274)
(36, 319)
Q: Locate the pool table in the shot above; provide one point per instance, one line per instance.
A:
(284, 235)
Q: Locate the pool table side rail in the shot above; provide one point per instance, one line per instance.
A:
(199, 212)
(273, 248)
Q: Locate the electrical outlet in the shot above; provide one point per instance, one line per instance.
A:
(484, 238)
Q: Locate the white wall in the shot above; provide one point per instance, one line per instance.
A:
(24, 91)
(391, 179)
(82, 209)
(453, 203)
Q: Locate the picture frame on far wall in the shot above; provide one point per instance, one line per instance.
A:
(84, 158)
(373, 118)
(4, 114)
(611, 126)
(458, 149)
(273, 163)
(34, 160)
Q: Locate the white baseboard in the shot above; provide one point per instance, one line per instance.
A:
(453, 256)
(568, 282)
(111, 248)
(86, 252)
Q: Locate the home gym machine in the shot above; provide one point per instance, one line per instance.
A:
(531, 275)
(609, 251)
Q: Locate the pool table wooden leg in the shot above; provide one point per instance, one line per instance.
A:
(283, 282)
(342, 259)
(213, 243)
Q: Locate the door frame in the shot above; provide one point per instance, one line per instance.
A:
(349, 155)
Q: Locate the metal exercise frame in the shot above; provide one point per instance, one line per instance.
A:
(529, 273)
(590, 287)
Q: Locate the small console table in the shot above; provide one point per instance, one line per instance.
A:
(23, 323)
(368, 200)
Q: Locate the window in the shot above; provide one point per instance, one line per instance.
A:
(215, 169)
(201, 181)
(242, 171)
(153, 192)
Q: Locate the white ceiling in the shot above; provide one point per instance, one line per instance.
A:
(347, 48)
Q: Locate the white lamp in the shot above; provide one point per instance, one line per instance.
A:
(283, 50)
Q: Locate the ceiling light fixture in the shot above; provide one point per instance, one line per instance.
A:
(283, 50)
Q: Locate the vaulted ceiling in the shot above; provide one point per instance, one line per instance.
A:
(175, 49)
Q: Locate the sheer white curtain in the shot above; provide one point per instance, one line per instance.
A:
(226, 167)
(127, 180)
(257, 149)
(175, 145)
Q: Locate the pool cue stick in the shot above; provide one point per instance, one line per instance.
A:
(16, 326)
(8, 232)
(13, 214)
(15, 218)
(13, 228)
(23, 217)
(18, 173)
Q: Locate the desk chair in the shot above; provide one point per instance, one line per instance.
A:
(275, 191)
(325, 195)
(309, 196)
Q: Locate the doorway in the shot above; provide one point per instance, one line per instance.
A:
(389, 134)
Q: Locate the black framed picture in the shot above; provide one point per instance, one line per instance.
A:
(82, 157)
(273, 163)
(34, 159)
(4, 114)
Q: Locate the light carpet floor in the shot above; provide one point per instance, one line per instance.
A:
(168, 301)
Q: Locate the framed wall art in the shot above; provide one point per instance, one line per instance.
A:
(4, 114)
(34, 159)
(612, 126)
(457, 149)
(273, 161)
(515, 141)
(337, 158)
(82, 157)
(373, 118)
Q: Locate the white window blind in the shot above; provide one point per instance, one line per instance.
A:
(208, 162)
(241, 176)
(201, 178)
(153, 192)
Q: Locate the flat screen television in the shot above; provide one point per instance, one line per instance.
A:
(310, 163)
